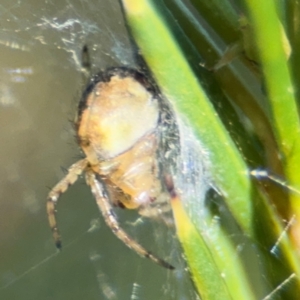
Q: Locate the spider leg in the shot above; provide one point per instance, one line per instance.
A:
(73, 172)
(110, 219)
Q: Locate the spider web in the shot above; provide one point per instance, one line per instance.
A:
(41, 82)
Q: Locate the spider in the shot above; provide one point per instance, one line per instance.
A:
(117, 128)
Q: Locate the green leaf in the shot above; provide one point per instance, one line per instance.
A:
(211, 247)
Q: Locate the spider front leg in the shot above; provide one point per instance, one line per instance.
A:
(110, 219)
(73, 172)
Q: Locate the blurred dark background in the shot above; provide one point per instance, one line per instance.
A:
(41, 83)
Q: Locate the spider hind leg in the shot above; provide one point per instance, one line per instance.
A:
(110, 219)
(73, 172)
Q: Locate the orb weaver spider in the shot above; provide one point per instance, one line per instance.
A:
(117, 128)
